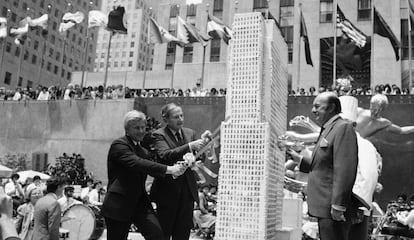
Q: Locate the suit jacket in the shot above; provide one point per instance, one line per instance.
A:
(47, 216)
(128, 166)
(166, 190)
(332, 169)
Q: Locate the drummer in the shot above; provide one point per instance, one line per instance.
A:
(67, 199)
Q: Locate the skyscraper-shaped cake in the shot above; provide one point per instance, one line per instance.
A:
(251, 171)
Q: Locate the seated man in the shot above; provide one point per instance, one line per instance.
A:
(67, 199)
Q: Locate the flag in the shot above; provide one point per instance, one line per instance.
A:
(39, 22)
(70, 19)
(217, 29)
(3, 27)
(97, 19)
(20, 32)
(381, 28)
(160, 35)
(187, 33)
(411, 10)
(189, 2)
(304, 35)
(116, 20)
(352, 32)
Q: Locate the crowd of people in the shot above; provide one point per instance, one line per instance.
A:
(38, 206)
(386, 89)
(43, 93)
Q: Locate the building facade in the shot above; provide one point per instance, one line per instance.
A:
(178, 67)
(50, 58)
(129, 52)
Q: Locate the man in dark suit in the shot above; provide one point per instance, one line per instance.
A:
(126, 200)
(47, 212)
(175, 197)
(332, 170)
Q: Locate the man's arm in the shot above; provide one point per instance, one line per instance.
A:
(400, 130)
(124, 155)
(170, 156)
(53, 220)
(345, 161)
(307, 137)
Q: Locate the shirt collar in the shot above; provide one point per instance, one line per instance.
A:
(53, 195)
(330, 121)
(175, 132)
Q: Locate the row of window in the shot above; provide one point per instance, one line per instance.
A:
(8, 78)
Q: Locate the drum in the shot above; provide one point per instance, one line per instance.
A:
(83, 222)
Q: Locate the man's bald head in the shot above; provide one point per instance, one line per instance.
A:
(325, 106)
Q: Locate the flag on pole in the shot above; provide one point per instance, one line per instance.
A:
(70, 19)
(160, 35)
(20, 32)
(217, 29)
(411, 10)
(189, 2)
(39, 22)
(117, 21)
(304, 36)
(97, 19)
(3, 27)
(381, 28)
(347, 28)
(187, 33)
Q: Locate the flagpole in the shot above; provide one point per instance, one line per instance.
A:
(148, 53)
(111, 33)
(87, 46)
(39, 73)
(3, 47)
(335, 5)
(173, 66)
(19, 69)
(299, 48)
(204, 52)
(63, 58)
(372, 44)
(410, 54)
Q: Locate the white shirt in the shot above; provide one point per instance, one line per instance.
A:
(11, 189)
(43, 96)
(66, 202)
(94, 197)
(85, 192)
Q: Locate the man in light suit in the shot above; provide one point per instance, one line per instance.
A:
(332, 170)
(126, 200)
(175, 197)
(47, 212)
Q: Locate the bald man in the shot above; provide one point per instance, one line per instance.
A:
(332, 170)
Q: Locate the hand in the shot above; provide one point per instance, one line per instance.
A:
(197, 144)
(291, 135)
(337, 215)
(176, 170)
(295, 156)
(6, 204)
(206, 136)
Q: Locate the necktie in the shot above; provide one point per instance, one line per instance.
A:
(179, 138)
(320, 133)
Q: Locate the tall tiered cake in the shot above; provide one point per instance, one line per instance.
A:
(251, 172)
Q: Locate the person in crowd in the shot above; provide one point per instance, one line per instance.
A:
(332, 170)
(25, 214)
(14, 189)
(175, 197)
(93, 195)
(37, 183)
(68, 92)
(86, 190)
(47, 212)
(43, 95)
(67, 199)
(128, 164)
(203, 216)
(100, 92)
(7, 225)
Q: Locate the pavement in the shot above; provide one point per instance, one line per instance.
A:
(138, 236)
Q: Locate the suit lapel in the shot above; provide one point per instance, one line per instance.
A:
(323, 136)
(172, 141)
